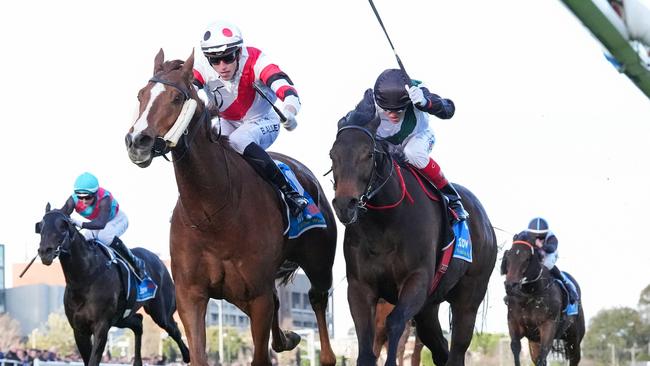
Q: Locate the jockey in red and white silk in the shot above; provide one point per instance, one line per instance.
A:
(227, 71)
(239, 104)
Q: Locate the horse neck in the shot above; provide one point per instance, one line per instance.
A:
(80, 262)
(540, 285)
(207, 170)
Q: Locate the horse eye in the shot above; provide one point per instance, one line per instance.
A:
(177, 99)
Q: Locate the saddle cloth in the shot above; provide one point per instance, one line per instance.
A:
(136, 290)
(571, 309)
(310, 218)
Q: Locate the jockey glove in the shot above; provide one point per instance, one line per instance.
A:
(416, 95)
(290, 123)
(76, 221)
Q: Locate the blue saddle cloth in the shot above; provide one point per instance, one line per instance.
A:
(463, 247)
(311, 217)
(145, 289)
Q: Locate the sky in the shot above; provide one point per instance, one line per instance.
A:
(544, 125)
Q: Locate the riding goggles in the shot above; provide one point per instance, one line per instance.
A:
(228, 59)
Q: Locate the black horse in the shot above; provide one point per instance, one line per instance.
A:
(95, 297)
(393, 236)
(536, 303)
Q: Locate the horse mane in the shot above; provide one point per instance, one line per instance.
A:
(394, 151)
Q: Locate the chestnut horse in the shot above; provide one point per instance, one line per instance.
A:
(227, 232)
(95, 297)
(536, 304)
(391, 250)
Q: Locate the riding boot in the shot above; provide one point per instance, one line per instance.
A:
(433, 172)
(570, 287)
(265, 166)
(136, 263)
(454, 202)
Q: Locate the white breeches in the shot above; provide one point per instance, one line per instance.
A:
(262, 131)
(116, 227)
(417, 148)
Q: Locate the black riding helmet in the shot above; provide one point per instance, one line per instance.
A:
(538, 226)
(390, 91)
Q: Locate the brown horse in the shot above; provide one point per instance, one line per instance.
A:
(391, 250)
(536, 304)
(227, 232)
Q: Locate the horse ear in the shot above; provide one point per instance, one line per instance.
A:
(504, 263)
(188, 66)
(158, 61)
(47, 207)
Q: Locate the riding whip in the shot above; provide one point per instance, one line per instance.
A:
(399, 62)
(260, 92)
(29, 265)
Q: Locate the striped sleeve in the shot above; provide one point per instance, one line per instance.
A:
(273, 77)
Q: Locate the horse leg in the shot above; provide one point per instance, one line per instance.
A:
(192, 306)
(362, 301)
(164, 316)
(572, 345)
(134, 322)
(462, 328)
(515, 347)
(534, 349)
(546, 334)
(318, 300)
(410, 300)
(417, 350)
(317, 264)
(261, 322)
(401, 345)
(429, 332)
(282, 340)
(84, 344)
(100, 336)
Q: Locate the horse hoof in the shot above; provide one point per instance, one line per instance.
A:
(291, 340)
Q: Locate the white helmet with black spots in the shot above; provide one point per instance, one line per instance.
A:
(221, 39)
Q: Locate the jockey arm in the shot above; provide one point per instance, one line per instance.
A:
(440, 107)
(279, 82)
(550, 244)
(102, 218)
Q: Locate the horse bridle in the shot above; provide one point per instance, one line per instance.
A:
(369, 191)
(532, 252)
(160, 146)
(64, 244)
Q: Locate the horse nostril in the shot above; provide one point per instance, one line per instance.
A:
(352, 205)
(128, 140)
(142, 141)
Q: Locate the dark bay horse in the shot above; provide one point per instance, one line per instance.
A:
(536, 304)
(226, 237)
(391, 251)
(95, 297)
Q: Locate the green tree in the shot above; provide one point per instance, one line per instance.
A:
(644, 304)
(10, 334)
(56, 333)
(485, 343)
(618, 327)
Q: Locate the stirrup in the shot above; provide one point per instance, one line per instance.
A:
(296, 202)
